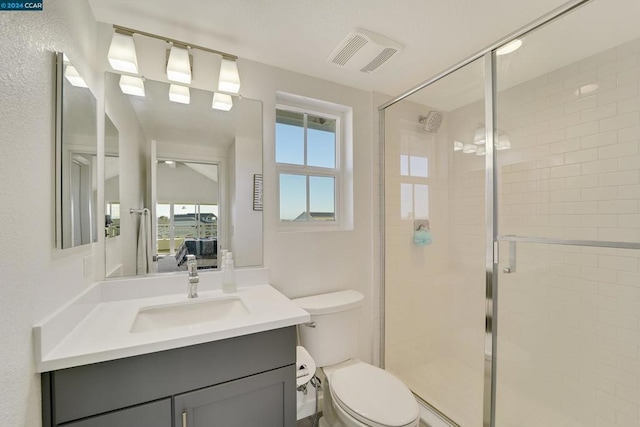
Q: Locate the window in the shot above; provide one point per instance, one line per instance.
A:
(308, 166)
(177, 221)
(414, 172)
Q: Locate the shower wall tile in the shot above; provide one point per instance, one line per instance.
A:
(569, 341)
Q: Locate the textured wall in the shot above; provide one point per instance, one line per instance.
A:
(36, 278)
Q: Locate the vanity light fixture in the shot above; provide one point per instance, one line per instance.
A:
(503, 142)
(132, 85)
(481, 151)
(480, 136)
(122, 53)
(222, 101)
(179, 65)
(458, 146)
(179, 94)
(510, 47)
(229, 80)
(73, 76)
(469, 148)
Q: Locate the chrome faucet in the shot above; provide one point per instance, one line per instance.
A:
(192, 267)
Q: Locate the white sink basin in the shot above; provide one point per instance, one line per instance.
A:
(188, 313)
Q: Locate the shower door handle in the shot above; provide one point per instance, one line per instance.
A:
(513, 240)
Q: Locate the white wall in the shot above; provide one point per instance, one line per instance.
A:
(244, 163)
(133, 152)
(181, 184)
(307, 263)
(36, 278)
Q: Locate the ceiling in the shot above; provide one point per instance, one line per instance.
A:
(299, 35)
(195, 124)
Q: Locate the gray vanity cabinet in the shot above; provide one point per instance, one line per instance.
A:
(259, 400)
(156, 414)
(240, 381)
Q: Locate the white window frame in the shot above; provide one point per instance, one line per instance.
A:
(338, 173)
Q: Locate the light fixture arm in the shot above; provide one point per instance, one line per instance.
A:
(131, 31)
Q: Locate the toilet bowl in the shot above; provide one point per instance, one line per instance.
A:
(356, 394)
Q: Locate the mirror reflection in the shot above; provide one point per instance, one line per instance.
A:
(111, 179)
(187, 214)
(185, 178)
(76, 152)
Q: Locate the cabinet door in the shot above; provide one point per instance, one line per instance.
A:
(265, 400)
(156, 414)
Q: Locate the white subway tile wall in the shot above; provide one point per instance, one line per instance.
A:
(569, 318)
(434, 295)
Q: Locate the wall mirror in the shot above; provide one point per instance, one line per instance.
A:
(186, 180)
(111, 179)
(76, 158)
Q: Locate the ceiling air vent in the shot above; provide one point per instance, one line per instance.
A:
(364, 51)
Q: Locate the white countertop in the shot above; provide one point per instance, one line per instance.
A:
(95, 327)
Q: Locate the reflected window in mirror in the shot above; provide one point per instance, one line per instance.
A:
(76, 157)
(187, 214)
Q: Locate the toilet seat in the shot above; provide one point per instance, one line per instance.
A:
(373, 396)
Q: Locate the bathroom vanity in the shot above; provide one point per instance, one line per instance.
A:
(237, 382)
(100, 368)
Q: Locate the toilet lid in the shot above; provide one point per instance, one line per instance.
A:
(373, 396)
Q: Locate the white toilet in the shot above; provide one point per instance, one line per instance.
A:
(356, 394)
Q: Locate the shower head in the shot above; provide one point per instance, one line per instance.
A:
(431, 122)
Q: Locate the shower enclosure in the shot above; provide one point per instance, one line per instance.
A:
(511, 227)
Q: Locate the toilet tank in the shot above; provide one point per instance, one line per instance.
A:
(336, 319)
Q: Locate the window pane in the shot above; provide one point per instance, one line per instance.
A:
(421, 201)
(184, 221)
(406, 201)
(208, 220)
(419, 166)
(293, 197)
(322, 198)
(404, 165)
(321, 142)
(289, 137)
(163, 214)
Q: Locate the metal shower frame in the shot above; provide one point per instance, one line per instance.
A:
(491, 226)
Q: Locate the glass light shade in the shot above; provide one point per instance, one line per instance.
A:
(179, 94)
(469, 148)
(73, 76)
(509, 47)
(458, 146)
(222, 102)
(229, 78)
(503, 142)
(122, 54)
(481, 151)
(179, 66)
(480, 136)
(131, 85)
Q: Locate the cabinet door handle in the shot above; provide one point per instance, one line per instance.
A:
(184, 419)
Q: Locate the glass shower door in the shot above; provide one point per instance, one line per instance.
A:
(568, 205)
(435, 244)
